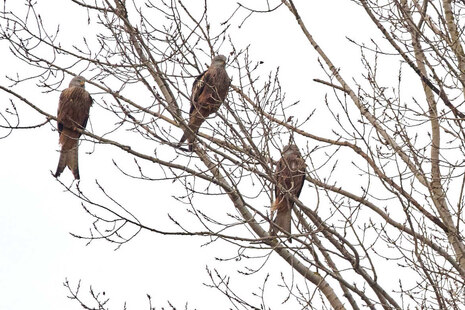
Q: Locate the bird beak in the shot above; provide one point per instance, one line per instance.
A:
(82, 83)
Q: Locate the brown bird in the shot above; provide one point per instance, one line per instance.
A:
(73, 112)
(290, 174)
(208, 93)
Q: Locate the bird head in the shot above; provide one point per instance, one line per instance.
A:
(290, 148)
(77, 81)
(219, 61)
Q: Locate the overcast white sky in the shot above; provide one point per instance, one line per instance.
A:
(37, 253)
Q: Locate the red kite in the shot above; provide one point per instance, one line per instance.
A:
(290, 174)
(73, 112)
(208, 93)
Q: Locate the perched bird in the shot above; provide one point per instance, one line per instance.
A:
(73, 112)
(208, 93)
(290, 174)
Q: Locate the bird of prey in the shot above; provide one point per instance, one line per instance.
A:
(208, 93)
(73, 112)
(290, 175)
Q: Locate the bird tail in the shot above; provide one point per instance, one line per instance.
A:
(61, 163)
(68, 158)
(194, 126)
(69, 153)
(283, 217)
(183, 138)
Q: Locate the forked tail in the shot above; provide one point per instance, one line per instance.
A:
(283, 216)
(68, 158)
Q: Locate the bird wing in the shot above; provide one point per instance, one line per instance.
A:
(290, 174)
(73, 109)
(280, 175)
(197, 89)
(299, 176)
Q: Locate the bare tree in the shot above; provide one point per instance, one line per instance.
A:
(382, 191)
